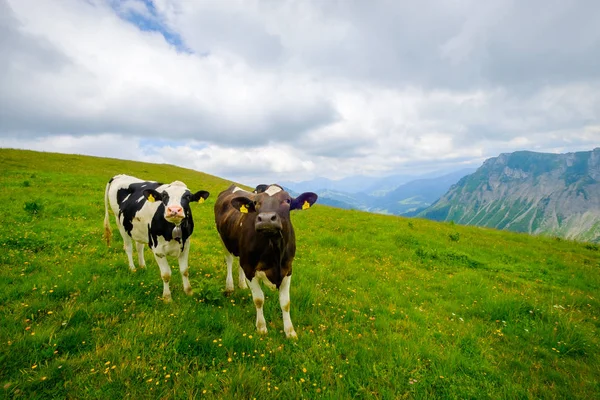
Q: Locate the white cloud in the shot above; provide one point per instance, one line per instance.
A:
(115, 77)
(103, 145)
(265, 91)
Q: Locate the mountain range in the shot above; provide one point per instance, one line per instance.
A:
(524, 191)
(394, 194)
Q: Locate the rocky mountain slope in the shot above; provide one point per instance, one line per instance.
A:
(556, 194)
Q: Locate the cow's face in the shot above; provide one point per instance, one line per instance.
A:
(176, 198)
(270, 206)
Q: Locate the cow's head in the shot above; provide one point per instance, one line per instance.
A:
(270, 205)
(176, 198)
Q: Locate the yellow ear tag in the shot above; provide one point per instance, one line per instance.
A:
(201, 200)
(151, 198)
(305, 205)
(243, 209)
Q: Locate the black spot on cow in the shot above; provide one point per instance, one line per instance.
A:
(131, 200)
(161, 227)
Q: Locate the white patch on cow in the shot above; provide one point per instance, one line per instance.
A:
(260, 275)
(144, 185)
(175, 190)
(167, 248)
(139, 231)
(273, 190)
(237, 189)
(140, 199)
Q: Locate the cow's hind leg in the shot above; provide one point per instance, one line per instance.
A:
(140, 252)
(284, 302)
(259, 299)
(242, 278)
(229, 279)
(165, 274)
(183, 268)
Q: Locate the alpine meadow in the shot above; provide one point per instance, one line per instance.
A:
(385, 307)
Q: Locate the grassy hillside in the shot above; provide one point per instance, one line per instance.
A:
(385, 307)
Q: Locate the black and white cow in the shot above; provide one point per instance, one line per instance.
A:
(256, 227)
(155, 214)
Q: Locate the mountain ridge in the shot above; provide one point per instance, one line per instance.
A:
(525, 191)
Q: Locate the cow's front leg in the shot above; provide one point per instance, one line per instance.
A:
(259, 299)
(183, 268)
(165, 274)
(229, 279)
(284, 302)
(140, 252)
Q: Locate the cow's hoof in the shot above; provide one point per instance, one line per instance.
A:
(243, 285)
(291, 335)
(132, 269)
(189, 291)
(262, 331)
(228, 292)
(167, 298)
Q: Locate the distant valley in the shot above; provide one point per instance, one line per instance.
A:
(395, 194)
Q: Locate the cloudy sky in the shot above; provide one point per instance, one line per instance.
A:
(258, 91)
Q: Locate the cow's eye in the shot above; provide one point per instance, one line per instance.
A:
(288, 201)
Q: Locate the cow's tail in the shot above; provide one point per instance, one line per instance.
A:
(107, 232)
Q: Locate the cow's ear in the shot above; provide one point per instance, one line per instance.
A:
(261, 188)
(152, 195)
(200, 196)
(304, 201)
(243, 204)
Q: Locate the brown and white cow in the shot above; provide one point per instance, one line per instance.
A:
(155, 214)
(256, 227)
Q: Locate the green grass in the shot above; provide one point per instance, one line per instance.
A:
(384, 307)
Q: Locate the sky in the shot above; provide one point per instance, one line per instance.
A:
(265, 91)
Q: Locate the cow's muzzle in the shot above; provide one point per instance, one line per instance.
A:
(268, 222)
(174, 214)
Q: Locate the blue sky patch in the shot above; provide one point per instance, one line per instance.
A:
(150, 22)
